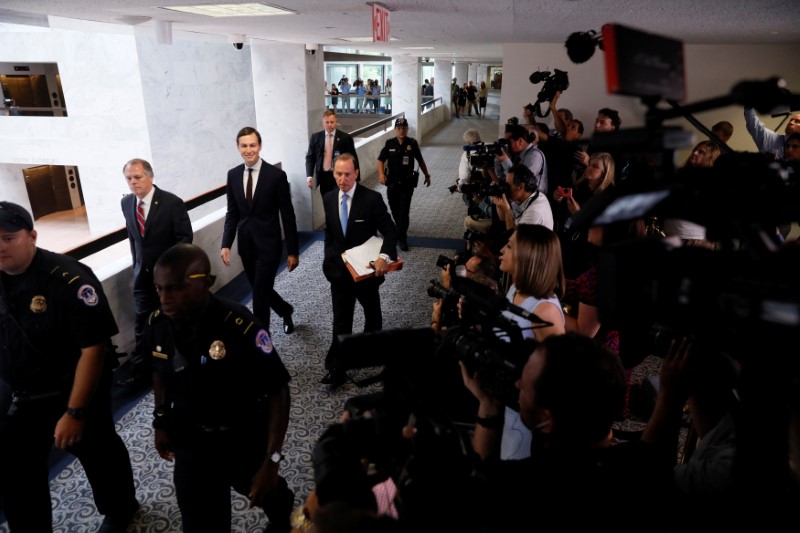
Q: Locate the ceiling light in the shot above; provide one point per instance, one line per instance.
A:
(233, 10)
(418, 48)
(132, 20)
(363, 39)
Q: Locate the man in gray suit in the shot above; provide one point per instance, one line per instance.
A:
(155, 220)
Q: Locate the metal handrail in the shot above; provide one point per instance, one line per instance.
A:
(432, 103)
(119, 235)
(376, 125)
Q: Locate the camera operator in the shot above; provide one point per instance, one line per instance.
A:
(524, 204)
(570, 393)
(482, 267)
(465, 167)
(766, 140)
(522, 144)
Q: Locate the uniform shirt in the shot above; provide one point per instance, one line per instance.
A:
(47, 315)
(226, 391)
(399, 159)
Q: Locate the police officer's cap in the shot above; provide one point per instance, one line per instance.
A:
(401, 123)
(14, 217)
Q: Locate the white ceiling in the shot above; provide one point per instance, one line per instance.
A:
(468, 30)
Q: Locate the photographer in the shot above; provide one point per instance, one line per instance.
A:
(465, 167)
(522, 145)
(482, 267)
(570, 393)
(523, 204)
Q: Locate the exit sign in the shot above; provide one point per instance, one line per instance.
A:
(380, 24)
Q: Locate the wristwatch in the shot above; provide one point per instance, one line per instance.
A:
(276, 457)
(78, 413)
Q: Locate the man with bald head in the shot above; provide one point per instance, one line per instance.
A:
(766, 140)
(221, 397)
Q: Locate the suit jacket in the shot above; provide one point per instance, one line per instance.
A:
(259, 227)
(368, 216)
(315, 157)
(167, 224)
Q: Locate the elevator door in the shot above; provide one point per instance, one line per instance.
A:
(47, 190)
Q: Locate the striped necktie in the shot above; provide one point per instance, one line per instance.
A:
(140, 217)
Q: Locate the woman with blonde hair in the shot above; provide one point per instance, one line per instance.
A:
(532, 259)
(596, 178)
(703, 155)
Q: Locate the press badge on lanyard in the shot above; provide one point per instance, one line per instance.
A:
(405, 160)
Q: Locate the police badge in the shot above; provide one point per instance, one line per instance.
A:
(38, 304)
(217, 350)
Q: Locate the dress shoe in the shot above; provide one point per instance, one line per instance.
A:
(404, 246)
(288, 324)
(118, 522)
(334, 378)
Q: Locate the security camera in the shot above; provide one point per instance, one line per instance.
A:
(237, 40)
(311, 49)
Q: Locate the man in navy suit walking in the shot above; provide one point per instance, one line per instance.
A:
(259, 199)
(353, 214)
(155, 220)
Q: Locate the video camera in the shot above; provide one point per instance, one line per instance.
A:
(553, 83)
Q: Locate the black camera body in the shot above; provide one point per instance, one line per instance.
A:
(496, 190)
(553, 83)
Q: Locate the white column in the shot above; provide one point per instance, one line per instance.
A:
(289, 101)
(443, 72)
(405, 90)
(472, 72)
(461, 73)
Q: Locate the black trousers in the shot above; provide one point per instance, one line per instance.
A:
(260, 272)
(146, 301)
(25, 443)
(343, 298)
(400, 204)
(208, 466)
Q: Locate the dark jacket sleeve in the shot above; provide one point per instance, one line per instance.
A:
(311, 156)
(287, 216)
(231, 217)
(181, 224)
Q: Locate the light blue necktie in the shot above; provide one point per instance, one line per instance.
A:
(343, 213)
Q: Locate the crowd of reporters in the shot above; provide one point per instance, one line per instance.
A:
(550, 454)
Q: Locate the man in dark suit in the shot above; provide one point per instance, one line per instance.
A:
(156, 220)
(366, 215)
(259, 199)
(321, 153)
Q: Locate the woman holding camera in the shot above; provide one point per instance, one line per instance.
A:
(532, 259)
(596, 178)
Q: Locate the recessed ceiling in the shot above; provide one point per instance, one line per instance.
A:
(471, 30)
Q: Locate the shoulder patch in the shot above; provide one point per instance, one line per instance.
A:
(88, 295)
(263, 341)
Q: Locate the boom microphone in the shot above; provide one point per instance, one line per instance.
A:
(580, 45)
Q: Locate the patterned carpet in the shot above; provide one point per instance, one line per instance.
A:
(436, 224)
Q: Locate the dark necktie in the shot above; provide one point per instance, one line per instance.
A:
(248, 195)
(140, 217)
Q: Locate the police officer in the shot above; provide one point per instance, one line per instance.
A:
(401, 178)
(55, 380)
(221, 396)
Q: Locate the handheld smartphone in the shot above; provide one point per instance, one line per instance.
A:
(443, 261)
(566, 192)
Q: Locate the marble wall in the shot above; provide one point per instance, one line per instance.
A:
(102, 88)
(405, 91)
(197, 96)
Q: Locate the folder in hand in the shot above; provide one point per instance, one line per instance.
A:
(359, 259)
